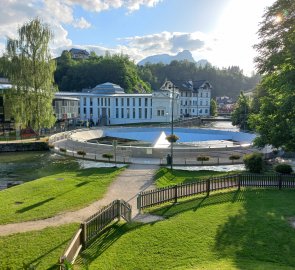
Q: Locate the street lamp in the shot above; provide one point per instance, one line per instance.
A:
(172, 128)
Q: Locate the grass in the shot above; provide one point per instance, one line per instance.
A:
(231, 230)
(43, 247)
(165, 177)
(54, 194)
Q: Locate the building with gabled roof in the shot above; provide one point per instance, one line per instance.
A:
(195, 96)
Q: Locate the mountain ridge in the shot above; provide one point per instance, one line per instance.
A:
(167, 59)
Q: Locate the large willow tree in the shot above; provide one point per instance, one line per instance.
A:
(28, 65)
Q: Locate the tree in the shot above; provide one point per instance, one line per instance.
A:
(275, 118)
(213, 107)
(28, 65)
(241, 112)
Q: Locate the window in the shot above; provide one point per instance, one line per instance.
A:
(102, 101)
(201, 111)
(128, 102)
(201, 94)
(122, 112)
(133, 113)
(117, 102)
(97, 101)
(139, 113)
(109, 102)
(128, 113)
(206, 111)
(139, 102)
(145, 113)
(133, 103)
(145, 102)
(206, 94)
(84, 101)
(84, 110)
(151, 115)
(201, 102)
(91, 111)
(122, 102)
(91, 103)
(151, 102)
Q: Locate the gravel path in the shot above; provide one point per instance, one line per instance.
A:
(128, 184)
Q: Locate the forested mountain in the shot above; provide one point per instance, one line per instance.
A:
(227, 81)
(76, 74)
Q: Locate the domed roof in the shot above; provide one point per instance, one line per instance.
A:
(107, 88)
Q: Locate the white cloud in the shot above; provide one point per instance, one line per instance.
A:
(164, 42)
(100, 5)
(81, 23)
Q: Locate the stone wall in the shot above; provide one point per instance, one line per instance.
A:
(20, 147)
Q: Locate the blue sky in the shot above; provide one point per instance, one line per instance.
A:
(221, 31)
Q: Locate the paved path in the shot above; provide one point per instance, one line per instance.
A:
(128, 184)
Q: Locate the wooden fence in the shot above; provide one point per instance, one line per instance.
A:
(173, 193)
(91, 228)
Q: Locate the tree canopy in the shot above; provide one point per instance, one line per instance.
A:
(27, 63)
(76, 74)
(274, 119)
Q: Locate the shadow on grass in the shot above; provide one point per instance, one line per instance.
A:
(107, 238)
(196, 203)
(33, 206)
(259, 236)
(38, 259)
(97, 171)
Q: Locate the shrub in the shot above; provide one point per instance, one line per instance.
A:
(81, 153)
(108, 156)
(62, 149)
(284, 168)
(172, 138)
(203, 158)
(253, 162)
(234, 157)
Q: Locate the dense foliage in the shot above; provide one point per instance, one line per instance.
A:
(274, 108)
(76, 74)
(241, 112)
(226, 82)
(27, 64)
(284, 168)
(253, 162)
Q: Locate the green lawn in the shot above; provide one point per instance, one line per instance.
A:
(165, 177)
(231, 230)
(47, 196)
(43, 247)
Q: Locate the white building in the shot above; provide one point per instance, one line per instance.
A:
(108, 104)
(195, 96)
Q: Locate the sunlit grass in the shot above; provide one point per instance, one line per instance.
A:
(165, 177)
(53, 194)
(231, 230)
(38, 247)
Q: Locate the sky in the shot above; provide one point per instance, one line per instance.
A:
(220, 31)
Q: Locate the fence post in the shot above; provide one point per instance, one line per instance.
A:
(175, 194)
(84, 234)
(208, 187)
(239, 181)
(280, 181)
(119, 209)
(139, 202)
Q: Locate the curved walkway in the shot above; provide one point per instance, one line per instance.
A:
(128, 184)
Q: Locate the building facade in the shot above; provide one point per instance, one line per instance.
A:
(108, 104)
(195, 97)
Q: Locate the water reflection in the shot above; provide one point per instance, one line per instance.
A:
(18, 167)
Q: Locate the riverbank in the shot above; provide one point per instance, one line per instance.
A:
(24, 145)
